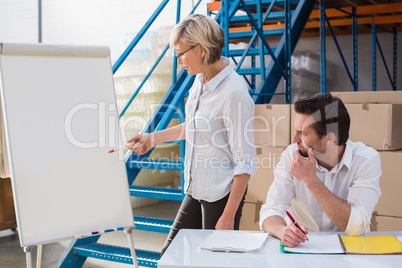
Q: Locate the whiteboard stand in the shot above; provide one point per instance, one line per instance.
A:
(129, 232)
(72, 134)
(39, 256)
(28, 253)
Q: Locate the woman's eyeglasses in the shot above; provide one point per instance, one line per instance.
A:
(181, 54)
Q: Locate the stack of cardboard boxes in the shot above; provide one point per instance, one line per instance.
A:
(272, 136)
(376, 120)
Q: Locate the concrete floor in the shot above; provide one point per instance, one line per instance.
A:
(13, 256)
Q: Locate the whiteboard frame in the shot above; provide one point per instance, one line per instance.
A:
(79, 215)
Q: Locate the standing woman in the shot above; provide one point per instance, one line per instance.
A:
(218, 131)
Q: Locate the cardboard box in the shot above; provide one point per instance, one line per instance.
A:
(390, 200)
(376, 125)
(370, 96)
(385, 223)
(250, 216)
(267, 159)
(272, 125)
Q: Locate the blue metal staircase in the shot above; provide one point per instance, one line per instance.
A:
(172, 105)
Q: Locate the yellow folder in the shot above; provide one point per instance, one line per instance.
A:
(372, 245)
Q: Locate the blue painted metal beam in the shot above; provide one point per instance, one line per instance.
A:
(384, 61)
(339, 50)
(143, 81)
(261, 34)
(69, 259)
(261, 50)
(395, 58)
(273, 73)
(252, 51)
(156, 193)
(253, 3)
(174, 116)
(323, 49)
(155, 120)
(174, 104)
(374, 57)
(249, 34)
(153, 224)
(277, 15)
(174, 74)
(248, 71)
(118, 254)
(288, 54)
(225, 25)
(355, 50)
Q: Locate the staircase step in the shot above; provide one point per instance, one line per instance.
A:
(274, 15)
(156, 192)
(248, 71)
(118, 254)
(154, 164)
(153, 224)
(251, 52)
(264, 3)
(253, 4)
(249, 34)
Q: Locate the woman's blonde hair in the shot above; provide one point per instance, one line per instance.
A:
(202, 30)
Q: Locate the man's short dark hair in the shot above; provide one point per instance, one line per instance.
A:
(329, 114)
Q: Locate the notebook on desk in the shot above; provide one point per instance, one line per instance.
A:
(327, 244)
(337, 244)
(234, 241)
(386, 244)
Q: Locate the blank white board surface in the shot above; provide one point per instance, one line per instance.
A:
(60, 120)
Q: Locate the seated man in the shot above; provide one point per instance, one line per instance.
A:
(327, 182)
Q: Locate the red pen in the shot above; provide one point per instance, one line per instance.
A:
(295, 223)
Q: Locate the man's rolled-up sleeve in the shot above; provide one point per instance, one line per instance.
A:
(280, 193)
(363, 196)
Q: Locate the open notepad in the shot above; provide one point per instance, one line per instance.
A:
(327, 244)
(234, 241)
(336, 244)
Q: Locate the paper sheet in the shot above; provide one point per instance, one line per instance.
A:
(234, 241)
(328, 244)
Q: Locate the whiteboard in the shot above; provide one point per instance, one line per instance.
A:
(60, 120)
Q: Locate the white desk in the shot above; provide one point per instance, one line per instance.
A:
(184, 252)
